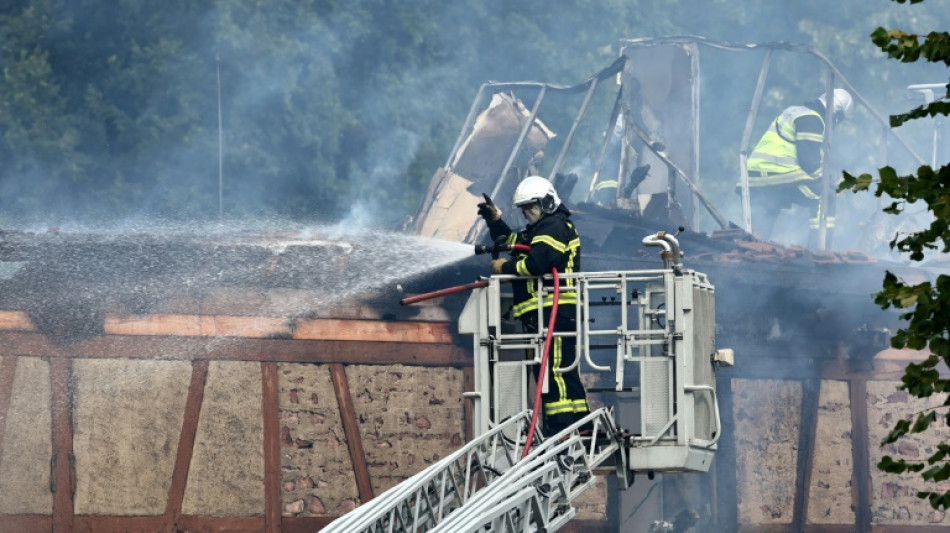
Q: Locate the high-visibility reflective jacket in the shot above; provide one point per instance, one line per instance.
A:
(554, 243)
(605, 193)
(774, 160)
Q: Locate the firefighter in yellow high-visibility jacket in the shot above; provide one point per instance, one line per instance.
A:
(785, 166)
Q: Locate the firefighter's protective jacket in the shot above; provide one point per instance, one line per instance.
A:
(554, 243)
(777, 159)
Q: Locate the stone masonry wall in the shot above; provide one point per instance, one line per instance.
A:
(128, 415)
(316, 470)
(893, 496)
(767, 417)
(409, 417)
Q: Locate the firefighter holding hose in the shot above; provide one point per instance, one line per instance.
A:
(554, 243)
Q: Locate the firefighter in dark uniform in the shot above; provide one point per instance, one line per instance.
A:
(554, 243)
(785, 165)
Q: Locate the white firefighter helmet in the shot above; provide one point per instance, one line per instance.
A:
(842, 105)
(537, 189)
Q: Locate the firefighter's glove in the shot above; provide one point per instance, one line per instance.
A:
(496, 265)
(487, 209)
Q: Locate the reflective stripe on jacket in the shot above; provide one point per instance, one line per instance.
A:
(569, 264)
(774, 159)
(554, 243)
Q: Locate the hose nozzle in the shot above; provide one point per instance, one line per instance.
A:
(502, 246)
(494, 249)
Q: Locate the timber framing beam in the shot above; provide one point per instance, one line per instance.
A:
(186, 445)
(270, 405)
(807, 433)
(7, 375)
(63, 474)
(836, 528)
(250, 524)
(351, 429)
(861, 474)
(192, 325)
(237, 349)
(468, 385)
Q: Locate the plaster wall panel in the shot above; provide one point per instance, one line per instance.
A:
(227, 469)
(409, 418)
(316, 471)
(830, 500)
(894, 497)
(127, 420)
(767, 416)
(27, 443)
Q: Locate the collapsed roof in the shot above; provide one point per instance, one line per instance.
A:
(768, 292)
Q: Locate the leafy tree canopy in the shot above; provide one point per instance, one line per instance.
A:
(925, 305)
(326, 106)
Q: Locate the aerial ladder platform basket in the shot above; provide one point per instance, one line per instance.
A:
(649, 338)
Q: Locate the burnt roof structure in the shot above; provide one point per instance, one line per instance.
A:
(795, 315)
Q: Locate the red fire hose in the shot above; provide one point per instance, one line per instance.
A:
(493, 249)
(544, 365)
(545, 356)
(547, 340)
(443, 292)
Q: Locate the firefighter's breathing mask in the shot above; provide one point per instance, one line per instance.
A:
(532, 212)
(536, 197)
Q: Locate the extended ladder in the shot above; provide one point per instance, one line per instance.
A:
(486, 486)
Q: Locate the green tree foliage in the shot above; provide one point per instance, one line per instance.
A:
(926, 305)
(41, 140)
(111, 107)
